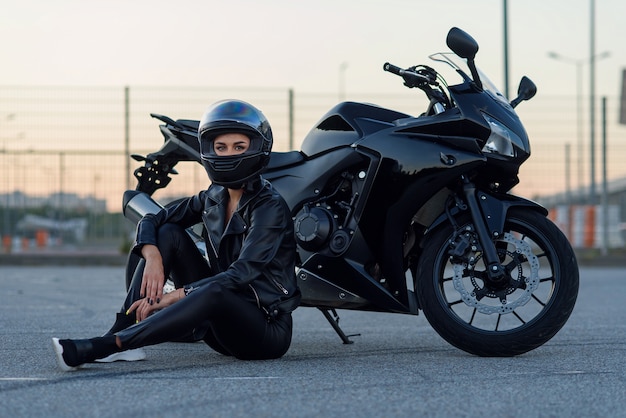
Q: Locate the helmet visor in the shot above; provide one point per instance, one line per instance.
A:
(207, 143)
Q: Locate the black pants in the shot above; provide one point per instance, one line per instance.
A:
(226, 321)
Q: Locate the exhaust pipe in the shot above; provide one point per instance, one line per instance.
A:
(136, 204)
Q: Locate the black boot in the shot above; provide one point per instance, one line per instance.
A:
(73, 353)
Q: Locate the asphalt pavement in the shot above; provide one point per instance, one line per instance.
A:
(397, 367)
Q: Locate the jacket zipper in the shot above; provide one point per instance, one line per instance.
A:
(256, 296)
(280, 287)
(212, 246)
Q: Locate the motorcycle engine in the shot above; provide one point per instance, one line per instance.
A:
(320, 225)
(313, 227)
(317, 228)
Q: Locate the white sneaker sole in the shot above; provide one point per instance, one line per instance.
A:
(136, 354)
(58, 350)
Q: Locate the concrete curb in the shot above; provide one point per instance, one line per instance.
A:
(63, 259)
(115, 259)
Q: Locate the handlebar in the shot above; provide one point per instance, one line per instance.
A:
(411, 78)
(392, 69)
(424, 79)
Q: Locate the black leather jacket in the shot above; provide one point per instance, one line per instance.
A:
(254, 254)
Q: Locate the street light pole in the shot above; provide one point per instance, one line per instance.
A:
(505, 25)
(5, 208)
(592, 102)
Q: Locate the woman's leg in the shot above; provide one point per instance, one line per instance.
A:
(244, 331)
(241, 328)
(181, 259)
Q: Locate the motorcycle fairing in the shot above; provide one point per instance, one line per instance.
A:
(301, 182)
(346, 123)
(352, 276)
(413, 169)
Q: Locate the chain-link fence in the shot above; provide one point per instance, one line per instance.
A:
(65, 164)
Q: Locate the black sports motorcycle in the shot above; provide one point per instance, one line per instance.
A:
(397, 213)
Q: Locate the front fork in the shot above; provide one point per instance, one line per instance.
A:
(495, 270)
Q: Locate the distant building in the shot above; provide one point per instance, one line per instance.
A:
(67, 201)
(75, 228)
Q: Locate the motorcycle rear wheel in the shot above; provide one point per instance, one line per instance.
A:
(500, 321)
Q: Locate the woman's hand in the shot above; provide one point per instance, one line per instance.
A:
(144, 309)
(153, 278)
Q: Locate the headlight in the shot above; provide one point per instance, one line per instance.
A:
(501, 140)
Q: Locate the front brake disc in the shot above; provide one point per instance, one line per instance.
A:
(509, 302)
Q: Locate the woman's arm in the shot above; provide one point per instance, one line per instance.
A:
(153, 278)
(185, 214)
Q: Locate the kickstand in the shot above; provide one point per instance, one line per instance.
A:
(334, 322)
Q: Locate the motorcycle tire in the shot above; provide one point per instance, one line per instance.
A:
(505, 320)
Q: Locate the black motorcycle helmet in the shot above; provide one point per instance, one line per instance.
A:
(234, 116)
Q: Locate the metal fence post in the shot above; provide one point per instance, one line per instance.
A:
(127, 134)
(605, 198)
(291, 119)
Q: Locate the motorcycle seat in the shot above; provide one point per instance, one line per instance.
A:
(284, 159)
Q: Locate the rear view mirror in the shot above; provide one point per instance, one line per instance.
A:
(526, 91)
(462, 44)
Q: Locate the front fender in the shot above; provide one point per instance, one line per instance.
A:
(494, 209)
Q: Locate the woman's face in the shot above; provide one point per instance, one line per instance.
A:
(231, 144)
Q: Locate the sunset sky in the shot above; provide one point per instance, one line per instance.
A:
(304, 45)
(321, 46)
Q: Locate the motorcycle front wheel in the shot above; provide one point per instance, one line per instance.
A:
(514, 315)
